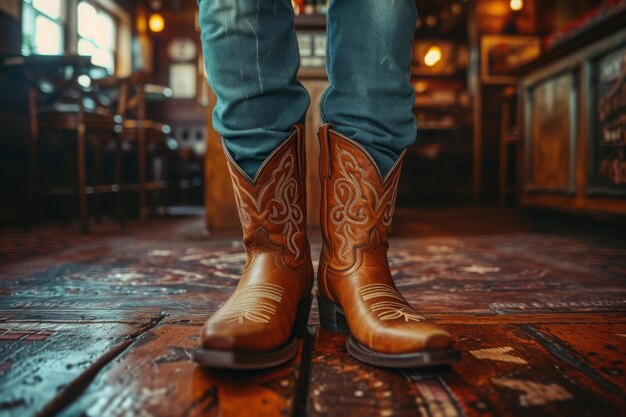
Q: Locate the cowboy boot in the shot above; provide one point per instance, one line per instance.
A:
(356, 292)
(257, 325)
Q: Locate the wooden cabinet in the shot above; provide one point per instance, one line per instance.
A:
(315, 87)
(551, 148)
(572, 102)
(220, 206)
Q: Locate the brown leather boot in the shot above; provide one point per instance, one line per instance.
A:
(356, 292)
(255, 327)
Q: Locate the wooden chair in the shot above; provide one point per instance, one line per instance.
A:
(59, 105)
(150, 139)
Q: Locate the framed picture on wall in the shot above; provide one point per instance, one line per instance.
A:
(501, 55)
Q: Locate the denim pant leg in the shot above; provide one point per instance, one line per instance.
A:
(251, 57)
(370, 97)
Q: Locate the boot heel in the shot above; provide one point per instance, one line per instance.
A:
(302, 317)
(331, 316)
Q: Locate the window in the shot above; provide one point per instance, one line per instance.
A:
(42, 27)
(97, 35)
(100, 29)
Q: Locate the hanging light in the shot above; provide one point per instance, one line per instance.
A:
(433, 56)
(517, 5)
(156, 23)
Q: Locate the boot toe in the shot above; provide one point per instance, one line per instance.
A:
(213, 339)
(236, 337)
(437, 340)
(404, 338)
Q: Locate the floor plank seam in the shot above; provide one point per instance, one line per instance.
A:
(566, 355)
(301, 400)
(79, 385)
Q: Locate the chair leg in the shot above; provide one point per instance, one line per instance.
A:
(119, 200)
(82, 180)
(153, 176)
(183, 195)
(165, 173)
(97, 197)
(142, 174)
(70, 173)
(33, 141)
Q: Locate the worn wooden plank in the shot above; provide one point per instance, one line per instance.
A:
(155, 377)
(591, 319)
(504, 372)
(75, 316)
(517, 375)
(42, 365)
(598, 349)
(341, 385)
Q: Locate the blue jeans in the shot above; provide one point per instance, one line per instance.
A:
(251, 56)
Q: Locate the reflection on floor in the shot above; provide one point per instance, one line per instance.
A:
(103, 325)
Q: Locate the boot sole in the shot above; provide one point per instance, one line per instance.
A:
(333, 319)
(246, 360)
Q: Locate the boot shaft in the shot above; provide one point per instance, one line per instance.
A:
(357, 201)
(272, 205)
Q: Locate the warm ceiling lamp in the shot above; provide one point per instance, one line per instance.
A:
(156, 23)
(516, 5)
(433, 56)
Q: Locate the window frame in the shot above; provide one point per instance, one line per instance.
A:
(61, 21)
(122, 51)
(116, 21)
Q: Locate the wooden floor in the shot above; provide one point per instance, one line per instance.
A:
(104, 325)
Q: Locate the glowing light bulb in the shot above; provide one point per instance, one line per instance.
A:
(156, 23)
(433, 56)
(517, 5)
(84, 80)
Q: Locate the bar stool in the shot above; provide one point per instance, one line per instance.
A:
(59, 105)
(150, 138)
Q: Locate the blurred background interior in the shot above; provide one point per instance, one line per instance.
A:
(105, 111)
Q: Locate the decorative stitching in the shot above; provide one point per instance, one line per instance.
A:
(352, 208)
(245, 304)
(283, 207)
(287, 211)
(378, 290)
(388, 310)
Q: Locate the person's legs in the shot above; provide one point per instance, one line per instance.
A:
(370, 97)
(251, 57)
(368, 110)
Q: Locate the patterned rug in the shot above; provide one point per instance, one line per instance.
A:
(174, 267)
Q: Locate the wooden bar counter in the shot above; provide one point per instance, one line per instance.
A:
(573, 105)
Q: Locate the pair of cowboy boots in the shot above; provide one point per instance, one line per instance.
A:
(258, 325)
